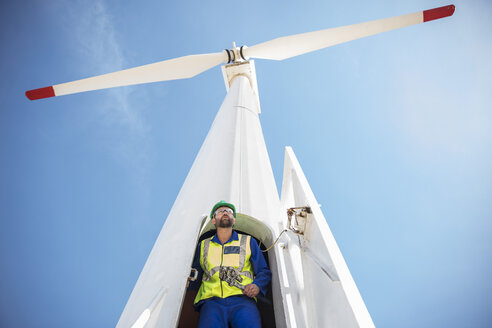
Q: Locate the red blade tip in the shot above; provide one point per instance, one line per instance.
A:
(437, 13)
(40, 93)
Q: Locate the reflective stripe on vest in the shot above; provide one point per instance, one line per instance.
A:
(213, 256)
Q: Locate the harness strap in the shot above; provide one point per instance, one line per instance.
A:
(206, 245)
(242, 257)
(242, 252)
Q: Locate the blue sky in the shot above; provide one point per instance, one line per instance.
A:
(394, 133)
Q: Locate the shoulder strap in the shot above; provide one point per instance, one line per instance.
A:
(244, 240)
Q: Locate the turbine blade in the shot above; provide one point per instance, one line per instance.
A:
(172, 69)
(298, 44)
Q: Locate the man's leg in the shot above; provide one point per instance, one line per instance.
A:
(212, 314)
(244, 313)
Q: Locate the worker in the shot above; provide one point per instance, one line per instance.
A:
(231, 273)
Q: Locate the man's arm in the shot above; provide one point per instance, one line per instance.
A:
(195, 285)
(263, 275)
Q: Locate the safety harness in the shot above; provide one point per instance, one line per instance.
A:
(242, 257)
(227, 263)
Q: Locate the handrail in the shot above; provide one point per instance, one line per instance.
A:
(330, 272)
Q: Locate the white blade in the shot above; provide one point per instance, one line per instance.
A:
(172, 69)
(298, 44)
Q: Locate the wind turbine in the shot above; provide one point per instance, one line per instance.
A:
(311, 285)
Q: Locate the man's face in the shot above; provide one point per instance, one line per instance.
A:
(223, 217)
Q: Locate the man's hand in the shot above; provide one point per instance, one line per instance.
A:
(251, 290)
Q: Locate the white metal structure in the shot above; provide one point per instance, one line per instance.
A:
(311, 284)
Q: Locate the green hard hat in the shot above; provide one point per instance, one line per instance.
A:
(222, 203)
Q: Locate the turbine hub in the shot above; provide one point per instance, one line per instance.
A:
(235, 55)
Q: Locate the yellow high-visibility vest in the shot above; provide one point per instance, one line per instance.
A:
(213, 256)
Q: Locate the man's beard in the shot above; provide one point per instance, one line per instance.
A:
(224, 223)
